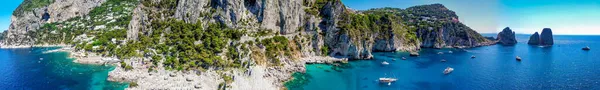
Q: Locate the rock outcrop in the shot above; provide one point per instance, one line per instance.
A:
(534, 39)
(545, 39)
(507, 37)
(442, 28)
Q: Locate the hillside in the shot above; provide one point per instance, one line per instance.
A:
(217, 36)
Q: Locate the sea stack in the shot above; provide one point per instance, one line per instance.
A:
(545, 38)
(507, 37)
(534, 39)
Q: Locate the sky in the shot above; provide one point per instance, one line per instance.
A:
(6, 9)
(567, 17)
(570, 17)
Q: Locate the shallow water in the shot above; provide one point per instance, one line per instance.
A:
(30, 69)
(562, 66)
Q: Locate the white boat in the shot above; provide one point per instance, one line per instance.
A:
(385, 63)
(387, 80)
(472, 56)
(448, 70)
(443, 60)
(450, 52)
(403, 58)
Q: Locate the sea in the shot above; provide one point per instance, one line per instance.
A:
(561, 66)
(32, 69)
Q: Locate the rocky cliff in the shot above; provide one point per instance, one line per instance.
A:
(434, 25)
(438, 27)
(32, 14)
(507, 37)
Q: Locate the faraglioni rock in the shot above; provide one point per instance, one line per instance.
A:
(545, 38)
(534, 39)
(507, 37)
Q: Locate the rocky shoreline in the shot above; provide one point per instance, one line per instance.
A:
(253, 78)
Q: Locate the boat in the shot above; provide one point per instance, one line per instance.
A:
(394, 59)
(385, 63)
(448, 70)
(450, 52)
(443, 60)
(387, 80)
(403, 58)
(518, 58)
(586, 48)
(472, 56)
(440, 53)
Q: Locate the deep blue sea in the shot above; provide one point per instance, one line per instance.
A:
(22, 69)
(562, 66)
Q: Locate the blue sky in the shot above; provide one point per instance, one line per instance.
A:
(6, 9)
(485, 16)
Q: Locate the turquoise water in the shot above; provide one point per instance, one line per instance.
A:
(22, 69)
(562, 66)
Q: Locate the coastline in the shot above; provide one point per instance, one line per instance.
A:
(255, 77)
(30, 46)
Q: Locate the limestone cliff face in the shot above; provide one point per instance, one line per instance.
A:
(26, 19)
(339, 42)
(507, 37)
(438, 27)
(284, 17)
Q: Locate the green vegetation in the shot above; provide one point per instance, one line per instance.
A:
(133, 84)
(324, 50)
(276, 46)
(381, 24)
(29, 5)
(316, 7)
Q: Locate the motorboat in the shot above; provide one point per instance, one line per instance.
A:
(586, 48)
(387, 80)
(385, 63)
(448, 70)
